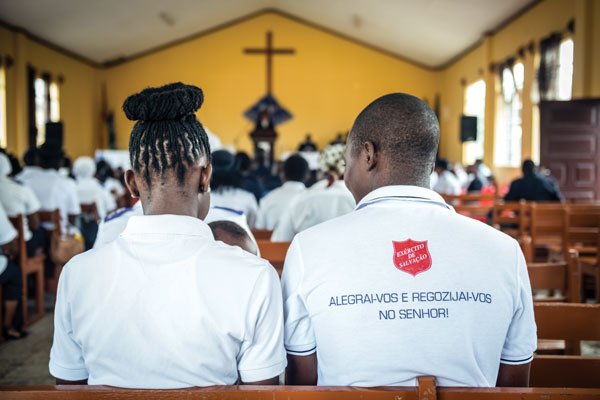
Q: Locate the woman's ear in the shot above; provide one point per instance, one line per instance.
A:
(131, 184)
(205, 176)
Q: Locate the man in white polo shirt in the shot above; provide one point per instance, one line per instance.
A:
(404, 286)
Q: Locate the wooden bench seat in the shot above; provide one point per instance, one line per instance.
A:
(274, 252)
(30, 266)
(426, 390)
(571, 322)
(564, 276)
(262, 234)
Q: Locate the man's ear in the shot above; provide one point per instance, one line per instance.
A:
(131, 184)
(370, 155)
(205, 176)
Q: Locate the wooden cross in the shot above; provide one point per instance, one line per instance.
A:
(269, 51)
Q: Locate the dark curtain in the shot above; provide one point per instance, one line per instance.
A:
(31, 107)
(548, 66)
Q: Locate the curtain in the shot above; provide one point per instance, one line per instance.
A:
(32, 139)
(547, 73)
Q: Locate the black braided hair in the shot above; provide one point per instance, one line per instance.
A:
(167, 134)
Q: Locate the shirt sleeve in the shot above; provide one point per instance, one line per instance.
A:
(7, 231)
(299, 338)
(262, 355)
(66, 356)
(73, 207)
(32, 204)
(521, 338)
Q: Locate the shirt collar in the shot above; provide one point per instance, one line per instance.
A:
(402, 192)
(167, 224)
(294, 184)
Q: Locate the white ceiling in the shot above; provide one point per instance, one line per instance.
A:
(430, 32)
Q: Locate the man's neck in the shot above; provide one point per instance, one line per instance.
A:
(402, 181)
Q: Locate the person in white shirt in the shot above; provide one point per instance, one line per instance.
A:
(404, 286)
(10, 276)
(89, 189)
(273, 204)
(225, 187)
(447, 182)
(19, 199)
(325, 200)
(31, 159)
(169, 306)
(52, 190)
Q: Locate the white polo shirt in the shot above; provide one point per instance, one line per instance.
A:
(7, 234)
(274, 204)
(236, 199)
(448, 183)
(18, 199)
(404, 287)
(312, 207)
(54, 191)
(89, 190)
(167, 306)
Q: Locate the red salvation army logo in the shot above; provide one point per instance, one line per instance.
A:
(411, 256)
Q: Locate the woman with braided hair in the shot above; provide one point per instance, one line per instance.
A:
(165, 305)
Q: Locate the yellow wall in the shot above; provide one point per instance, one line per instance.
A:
(79, 93)
(325, 84)
(541, 20)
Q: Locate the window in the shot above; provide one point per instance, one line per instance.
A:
(47, 107)
(507, 149)
(564, 73)
(3, 138)
(475, 107)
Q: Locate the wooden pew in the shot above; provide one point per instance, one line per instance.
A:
(90, 210)
(564, 276)
(510, 217)
(30, 266)
(54, 218)
(426, 390)
(582, 232)
(262, 234)
(476, 206)
(570, 322)
(274, 252)
(547, 227)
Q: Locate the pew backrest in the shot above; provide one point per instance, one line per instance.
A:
(564, 276)
(274, 252)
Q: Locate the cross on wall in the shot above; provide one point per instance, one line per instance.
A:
(269, 51)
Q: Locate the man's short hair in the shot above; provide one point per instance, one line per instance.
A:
(442, 163)
(219, 228)
(295, 168)
(403, 128)
(528, 166)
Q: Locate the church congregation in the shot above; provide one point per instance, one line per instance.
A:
(438, 227)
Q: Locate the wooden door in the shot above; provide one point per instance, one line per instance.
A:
(569, 139)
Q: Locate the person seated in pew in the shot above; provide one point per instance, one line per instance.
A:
(274, 204)
(31, 159)
(533, 186)
(326, 199)
(183, 309)
(52, 190)
(89, 189)
(11, 278)
(234, 235)
(226, 190)
(447, 182)
(18, 199)
(404, 286)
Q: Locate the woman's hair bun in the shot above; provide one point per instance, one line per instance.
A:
(169, 102)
